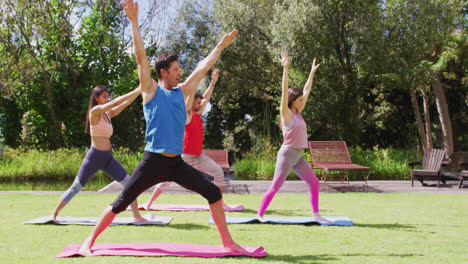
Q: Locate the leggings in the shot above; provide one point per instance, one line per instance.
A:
(288, 159)
(94, 161)
(155, 168)
(202, 163)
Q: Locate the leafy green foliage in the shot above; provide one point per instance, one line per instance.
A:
(386, 164)
(370, 53)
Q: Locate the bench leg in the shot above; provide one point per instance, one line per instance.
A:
(366, 177)
(346, 177)
(325, 173)
(412, 180)
(461, 183)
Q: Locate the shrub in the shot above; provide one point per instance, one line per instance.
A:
(386, 164)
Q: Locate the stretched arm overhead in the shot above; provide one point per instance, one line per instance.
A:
(285, 112)
(188, 107)
(207, 94)
(308, 86)
(115, 104)
(116, 110)
(144, 72)
(190, 85)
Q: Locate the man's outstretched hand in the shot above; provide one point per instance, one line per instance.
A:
(227, 39)
(131, 9)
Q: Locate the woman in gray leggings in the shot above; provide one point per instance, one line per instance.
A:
(99, 156)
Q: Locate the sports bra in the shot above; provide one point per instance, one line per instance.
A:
(103, 128)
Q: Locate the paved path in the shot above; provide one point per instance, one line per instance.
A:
(247, 187)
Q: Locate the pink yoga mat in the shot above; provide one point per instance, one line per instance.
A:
(187, 207)
(159, 250)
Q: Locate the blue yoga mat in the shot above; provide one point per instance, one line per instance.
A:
(289, 220)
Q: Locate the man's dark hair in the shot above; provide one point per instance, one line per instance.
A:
(164, 61)
(198, 95)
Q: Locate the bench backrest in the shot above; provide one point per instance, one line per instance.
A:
(329, 152)
(433, 159)
(220, 156)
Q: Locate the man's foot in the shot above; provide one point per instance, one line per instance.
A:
(321, 219)
(234, 248)
(139, 219)
(85, 248)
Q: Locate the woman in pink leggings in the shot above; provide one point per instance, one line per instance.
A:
(295, 140)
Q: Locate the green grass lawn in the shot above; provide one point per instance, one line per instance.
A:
(389, 228)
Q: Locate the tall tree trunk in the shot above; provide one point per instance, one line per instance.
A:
(427, 119)
(54, 127)
(417, 115)
(444, 115)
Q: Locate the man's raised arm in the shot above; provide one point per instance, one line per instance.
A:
(144, 72)
(190, 85)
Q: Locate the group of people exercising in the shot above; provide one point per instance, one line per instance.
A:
(174, 138)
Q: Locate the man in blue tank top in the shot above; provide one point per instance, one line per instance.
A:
(165, 115)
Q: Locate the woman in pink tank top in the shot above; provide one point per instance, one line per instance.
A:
(99, 156)
(295, 140)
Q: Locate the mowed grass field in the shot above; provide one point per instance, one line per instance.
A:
(389, 228)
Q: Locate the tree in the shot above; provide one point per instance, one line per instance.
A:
(35, 31)
(415, 45)
(57, 51)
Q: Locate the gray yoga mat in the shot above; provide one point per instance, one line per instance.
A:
(72, 220)
(291, 220)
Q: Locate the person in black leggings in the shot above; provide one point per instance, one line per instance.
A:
(165, 115)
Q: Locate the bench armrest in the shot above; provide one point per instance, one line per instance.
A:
(412, 164)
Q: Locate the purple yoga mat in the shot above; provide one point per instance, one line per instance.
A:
(187, 207)
(159, 250)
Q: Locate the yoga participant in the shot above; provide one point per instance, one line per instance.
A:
(295, 140)
(99, 156)
(193, 140)
(165, 114)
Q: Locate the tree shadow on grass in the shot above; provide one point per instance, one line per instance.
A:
(290, 212)
(293, 259)
(386, 226)
(325, 258)
(250, 211)
(396, 227)
(273, 212)
(188, 226)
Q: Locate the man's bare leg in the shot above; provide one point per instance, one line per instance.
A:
(104, 221)
(217, 213)
(225, 206)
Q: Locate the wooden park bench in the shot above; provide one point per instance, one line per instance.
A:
(220, 157)
(334, 156)
(431, 165)
(463, 176)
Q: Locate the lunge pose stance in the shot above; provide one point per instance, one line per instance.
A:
(165, 115)
(99, 156)
(295, 140)
(193, 153)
